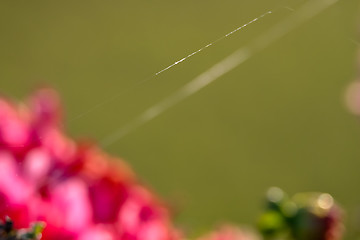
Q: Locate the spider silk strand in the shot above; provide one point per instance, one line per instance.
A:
(305, 13)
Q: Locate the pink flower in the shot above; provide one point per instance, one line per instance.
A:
(75, 188)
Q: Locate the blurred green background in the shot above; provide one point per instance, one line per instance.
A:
(278, 119)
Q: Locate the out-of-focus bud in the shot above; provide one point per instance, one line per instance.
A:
(306, 216)
(272, 222)
(317, 217)
(231, 232)
(352, 97)
(352, 94)
(46, 107)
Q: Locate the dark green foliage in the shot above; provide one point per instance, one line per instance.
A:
(8, 232)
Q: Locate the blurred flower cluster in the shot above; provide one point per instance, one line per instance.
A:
(76, 189)
(80, 193)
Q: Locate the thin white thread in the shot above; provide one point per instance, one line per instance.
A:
(306, 12)
(166, 68)
(289, 8)
(212, 43)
